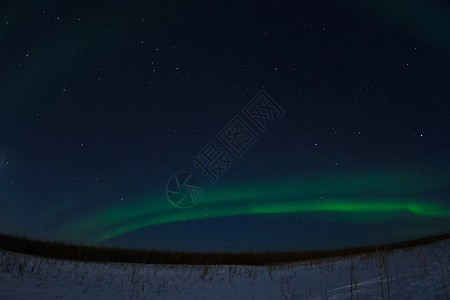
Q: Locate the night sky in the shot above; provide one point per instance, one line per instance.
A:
(103, 102)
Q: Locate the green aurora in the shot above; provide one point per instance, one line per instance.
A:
(368, 198)
(427, 20)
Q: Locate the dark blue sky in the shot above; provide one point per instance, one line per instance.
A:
(102, 103)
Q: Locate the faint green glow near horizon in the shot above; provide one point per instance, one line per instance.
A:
(429, 20)
(367, 198)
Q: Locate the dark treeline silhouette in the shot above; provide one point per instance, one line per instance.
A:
(60, 250)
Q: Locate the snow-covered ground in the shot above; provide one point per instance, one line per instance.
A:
(418, 273)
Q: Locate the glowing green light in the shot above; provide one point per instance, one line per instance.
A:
(365, 196)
